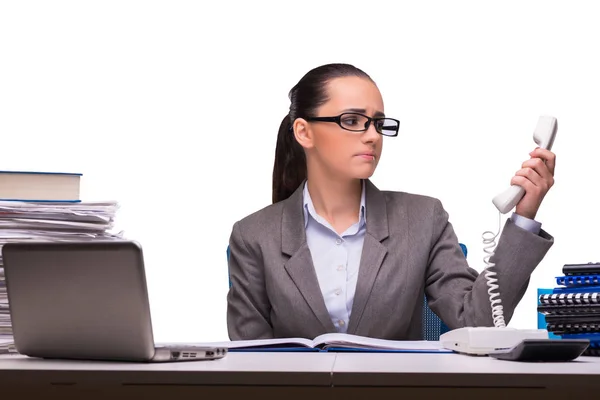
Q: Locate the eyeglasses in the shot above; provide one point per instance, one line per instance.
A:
(356, 122)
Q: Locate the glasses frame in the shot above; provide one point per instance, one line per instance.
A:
(338, 120)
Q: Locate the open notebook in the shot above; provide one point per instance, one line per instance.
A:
(332, 342)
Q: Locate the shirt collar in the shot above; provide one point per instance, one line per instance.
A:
(309, 208)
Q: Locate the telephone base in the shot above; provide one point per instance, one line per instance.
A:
(485, 340)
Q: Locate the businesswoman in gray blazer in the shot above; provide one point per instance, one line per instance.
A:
(334, 253)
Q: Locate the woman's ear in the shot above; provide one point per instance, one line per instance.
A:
(303, 133)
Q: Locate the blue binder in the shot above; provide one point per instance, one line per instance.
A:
(578, 280)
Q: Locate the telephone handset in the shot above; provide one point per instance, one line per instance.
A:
(544, 135)
(489, 340)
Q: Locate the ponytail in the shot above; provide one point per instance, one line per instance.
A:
(289, 170)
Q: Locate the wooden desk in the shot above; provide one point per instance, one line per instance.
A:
(312, 376)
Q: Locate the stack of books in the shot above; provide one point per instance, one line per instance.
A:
(572, 308)
(39, 206)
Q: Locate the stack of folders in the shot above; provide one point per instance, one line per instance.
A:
(572, 310)
(49, 221)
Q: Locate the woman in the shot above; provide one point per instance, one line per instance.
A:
(336, 254)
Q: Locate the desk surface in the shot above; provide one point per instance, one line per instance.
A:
(312, 369)
(292, 369)
(431, 370)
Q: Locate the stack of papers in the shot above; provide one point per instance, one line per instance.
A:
(5, 326)
(49, 221)
(6, 344)
(82, 216)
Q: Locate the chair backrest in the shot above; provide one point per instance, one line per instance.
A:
(432, 326)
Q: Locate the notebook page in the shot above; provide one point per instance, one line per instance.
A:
(239, 344)
(347, 340)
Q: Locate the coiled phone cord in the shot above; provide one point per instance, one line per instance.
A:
(489, 241)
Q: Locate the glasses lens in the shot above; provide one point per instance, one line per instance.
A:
(353, 122)
(387, 126)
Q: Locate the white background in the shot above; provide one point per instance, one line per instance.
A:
(172, 108)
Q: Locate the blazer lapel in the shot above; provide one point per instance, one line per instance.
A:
(373, 252)
(300, 265)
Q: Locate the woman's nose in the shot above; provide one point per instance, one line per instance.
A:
(371, 134)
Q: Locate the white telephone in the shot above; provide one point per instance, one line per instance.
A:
(487, 340)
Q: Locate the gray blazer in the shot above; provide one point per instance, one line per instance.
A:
(410, 248)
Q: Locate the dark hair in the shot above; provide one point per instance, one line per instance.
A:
(289, 170)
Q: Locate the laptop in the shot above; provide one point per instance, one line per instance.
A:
(86, 300)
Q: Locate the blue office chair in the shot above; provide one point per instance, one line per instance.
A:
(433, 326)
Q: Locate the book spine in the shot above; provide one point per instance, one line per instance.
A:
(590, 268)
(574, 328)
(570, 298)
(572, 280)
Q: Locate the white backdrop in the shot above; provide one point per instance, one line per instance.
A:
(172, 108)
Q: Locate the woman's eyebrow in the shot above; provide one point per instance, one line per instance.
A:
(363, 111)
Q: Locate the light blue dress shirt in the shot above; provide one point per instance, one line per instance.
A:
(336, 258)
